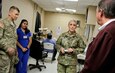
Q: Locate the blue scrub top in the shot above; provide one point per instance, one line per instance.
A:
(23, 38)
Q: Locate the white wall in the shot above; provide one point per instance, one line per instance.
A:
(27, 8)
(51, 20)
(54, 20)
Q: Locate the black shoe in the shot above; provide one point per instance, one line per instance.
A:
(53, 59)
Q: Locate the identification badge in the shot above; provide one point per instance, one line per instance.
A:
(25, 37)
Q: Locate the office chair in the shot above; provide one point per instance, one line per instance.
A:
(36, 52)
(48, 47)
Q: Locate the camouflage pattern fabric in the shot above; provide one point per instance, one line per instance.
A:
(4, 64)
(66, 69)
(67, 40)
(8, 38)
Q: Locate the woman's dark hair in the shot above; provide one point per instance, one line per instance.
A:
(108, 7)
(26, 30)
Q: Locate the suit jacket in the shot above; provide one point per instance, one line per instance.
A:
(100, 57)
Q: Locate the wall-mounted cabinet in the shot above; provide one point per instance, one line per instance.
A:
(91, 15)
(90, 23)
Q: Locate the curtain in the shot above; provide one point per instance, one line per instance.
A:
(38, 22)
(89, 32)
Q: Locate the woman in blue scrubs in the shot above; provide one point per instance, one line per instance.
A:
(23, 46)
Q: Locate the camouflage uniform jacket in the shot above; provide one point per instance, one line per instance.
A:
(67, 40)
(8, 37)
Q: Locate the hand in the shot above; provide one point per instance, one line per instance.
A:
(27, 47)
(11, 51)
(24, 49)
(16, 53)
(62, 50)
(1, 25)
(70, 50)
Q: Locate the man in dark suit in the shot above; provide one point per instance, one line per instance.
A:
(100, 57)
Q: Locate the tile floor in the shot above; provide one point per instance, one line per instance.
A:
(50, 67)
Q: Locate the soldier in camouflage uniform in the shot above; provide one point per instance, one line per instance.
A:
(68, 45)
(8, 39)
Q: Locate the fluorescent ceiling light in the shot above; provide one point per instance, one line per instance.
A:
(58, 9)
(71, 10)
(65, 10)
(70, 0)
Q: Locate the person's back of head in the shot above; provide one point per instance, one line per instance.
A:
(49, 36)
(108, 8)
